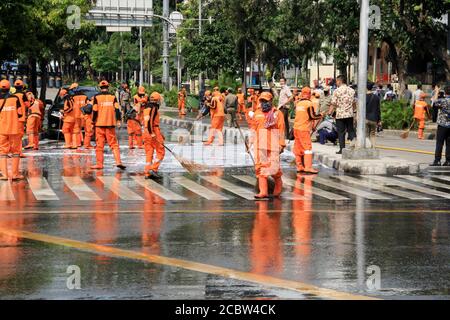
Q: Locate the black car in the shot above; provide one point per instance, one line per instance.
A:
(54, 121)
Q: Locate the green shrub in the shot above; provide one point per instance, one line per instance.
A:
(396, 115)
(171, 98)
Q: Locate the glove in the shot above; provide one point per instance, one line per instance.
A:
(251, 114)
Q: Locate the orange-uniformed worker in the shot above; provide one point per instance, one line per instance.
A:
(241, 103)
(106, 117)
(11, 131)
(19, 87)
(153, 138)
(305, 116)
(69, 129)
(33, 122)
(217, 119)
(135, 118)
(88, 125)
(269, 144)
(79, 101)
(182, 95)
(420, 112)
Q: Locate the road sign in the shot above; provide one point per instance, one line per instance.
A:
(118, 29)
(122, 13)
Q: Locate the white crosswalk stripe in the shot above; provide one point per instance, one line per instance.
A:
(81, 189)
(286, 195)
(237, 190)
(380, 187)
(406, 185)
(427, 182)
(41, 189)
(315, 191)
(6, 193)
(119, 188)
(198, 189)
(159, 190)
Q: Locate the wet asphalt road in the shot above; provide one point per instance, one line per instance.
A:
(324, 234)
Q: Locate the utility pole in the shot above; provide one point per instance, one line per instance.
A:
(362, 73)
(200, 33)
(165, 76)
(121, 58)
(141, 56)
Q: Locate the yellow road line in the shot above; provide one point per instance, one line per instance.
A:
(264, 280)
(407, 150)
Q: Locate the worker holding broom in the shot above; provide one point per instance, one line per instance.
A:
(134, 117)
(420, 111)
(217, 119)
(269, 144)
(153, 138)
(33, 122)
(182, 95)
(241, 103)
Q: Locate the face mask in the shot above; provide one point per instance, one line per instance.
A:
(266, 106)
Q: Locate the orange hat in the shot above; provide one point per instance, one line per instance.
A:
(306, 93)
(423, 95)
(18, 83)
(5, 85)
(155, 97)
(141, 90)
(267, 96)
(103, 84)
(30, 95)
(73, 86)
(207, 93)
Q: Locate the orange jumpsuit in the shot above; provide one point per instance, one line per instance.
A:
(88, 130)
(420, 110)
(106, 114)
(241, 105)
(217, 120)
(268, 144)
(304, 119)
(79, 101)
(153, 140)
(34, 124)
(134, 126)
(11, 132)
(68, 128)
(25, 104)
(182, 102)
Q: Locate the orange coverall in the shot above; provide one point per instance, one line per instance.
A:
(420, 110)
(304, 119)
(79, 101)
(106, 114)
(153, 140)
(217, 119)
(25, 104)
(34, 124)
(241, 105)
(182, 102)
(11, 132)
(68, 128)
(134, 126)
(269, 142)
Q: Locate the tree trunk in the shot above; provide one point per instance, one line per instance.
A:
(44, 78)
(33, 78)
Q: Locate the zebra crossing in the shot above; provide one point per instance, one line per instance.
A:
(180, 188)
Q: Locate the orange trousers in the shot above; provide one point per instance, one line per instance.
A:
(88, 132)
(182, 107)
(33, 128)
(301, 145)
(108, 135)
(267, 163)
(152, 145)
(134, 133)
(216, 127)
(10, 144)
(421, 128)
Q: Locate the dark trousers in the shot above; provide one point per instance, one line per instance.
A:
(325, 136)
(442, 136)
(285, 112)
(345, 126)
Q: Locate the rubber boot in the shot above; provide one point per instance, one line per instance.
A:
(300, 165)
(68, 141)
(131, 142)
(420, 134)
(100, 158)
(263, 189)
(309, 164)
(210, 138)
(4, 168)
(278, 187)
(15, 169)
(75, 137)
(30, 142)
(87, 143)
(116, 153)
(36, 142)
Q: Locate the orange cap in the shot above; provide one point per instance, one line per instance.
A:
(267, 96)
(155, 97)
(141, 90)
(5, 85)
(18, 83)
(103, 83)
(423, 95)
(73, 86)
(306, 93)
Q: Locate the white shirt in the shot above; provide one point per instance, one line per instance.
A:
(285, 95)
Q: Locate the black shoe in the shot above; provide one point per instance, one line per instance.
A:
(446, 164)
(435, 164)
(121, 167)
(153, 175)
(339, 152)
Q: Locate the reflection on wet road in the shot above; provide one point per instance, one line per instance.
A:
(202, 236)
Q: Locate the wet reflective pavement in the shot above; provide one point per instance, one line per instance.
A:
(203, 237)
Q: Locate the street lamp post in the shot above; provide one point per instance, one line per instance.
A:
(165, 76)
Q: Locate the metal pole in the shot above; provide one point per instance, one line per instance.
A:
(362, 73)
(165, 76)
(141, 56)
(200, 33)
(178, 66)
(121, 58)
(375, 58)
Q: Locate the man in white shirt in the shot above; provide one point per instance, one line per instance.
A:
(284, 101)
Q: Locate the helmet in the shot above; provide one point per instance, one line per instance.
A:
(18, 83)
(5, 85)
(155, 97)
(103, 84)
(207, 93)
(306, 93)
(141, 90)
(73, 86)
(267, 96)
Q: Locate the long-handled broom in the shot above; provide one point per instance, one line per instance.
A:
(405, 134)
